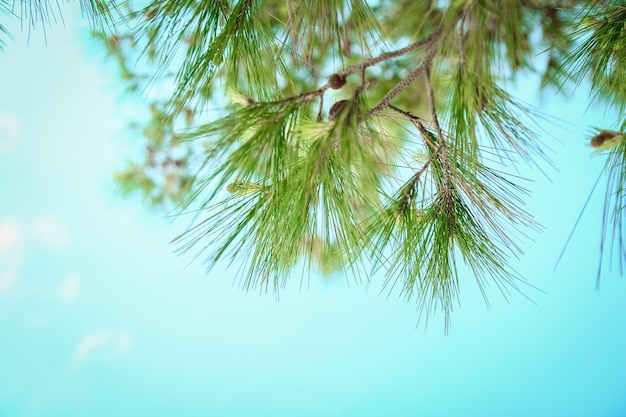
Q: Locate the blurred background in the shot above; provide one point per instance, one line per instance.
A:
(99, 317)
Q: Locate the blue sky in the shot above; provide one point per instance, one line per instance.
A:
(98, 317)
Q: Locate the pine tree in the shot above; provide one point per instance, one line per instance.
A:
(358, 136)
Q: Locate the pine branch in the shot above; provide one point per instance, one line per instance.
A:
(4, 33)
(282, 187)
(442, 150)
(601, 54)
(393, 54)
(613, 219)
(411, 76)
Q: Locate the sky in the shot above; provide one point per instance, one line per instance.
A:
(99, 317)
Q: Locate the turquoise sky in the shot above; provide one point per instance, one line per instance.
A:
(99, 318)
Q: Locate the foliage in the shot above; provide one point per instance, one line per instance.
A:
(600, 55)
(357, 136)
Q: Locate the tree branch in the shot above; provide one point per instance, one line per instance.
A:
(412, 76)
(443, 147)
(393, 54)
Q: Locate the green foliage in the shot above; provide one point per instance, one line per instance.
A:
(4, 33)
(354, 136)
(102, 14)
(302, 184)
(600, 56)
(613, 221)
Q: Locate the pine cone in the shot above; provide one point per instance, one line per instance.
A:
(336, 108)
(336, 81)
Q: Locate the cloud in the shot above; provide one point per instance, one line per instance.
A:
(37, 320)
(115, 343)
(15, 238)
(11, 254)
(124, 342)
(10, 232)
(10, 131)
(50, 231)
(7, 280)
(89, 343)
(69, 288)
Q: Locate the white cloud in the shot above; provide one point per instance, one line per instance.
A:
(10, 232)
(11, 254)
(111, 342)
(69, 288)
(7, 280)
(37, 320)
(91, 342)
(10, 131)
(124, 342)
(50, 231)
(15, 238)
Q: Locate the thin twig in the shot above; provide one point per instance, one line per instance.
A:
(431, 104)
(306, 96)
(319, 113)
(443, 149)
(430, 39)
(391, 94)
(412, 75)
(417, 121)
(405, 113)
(461, 46)
(393, 54)
(411, 188)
